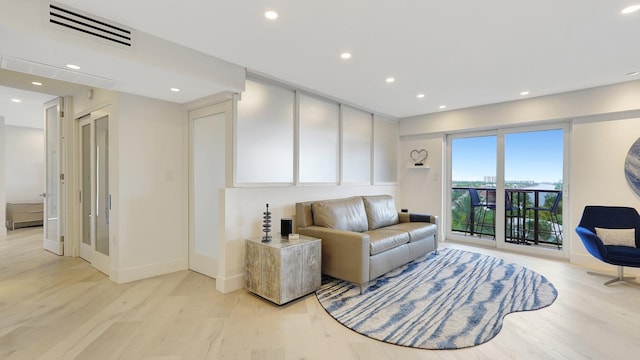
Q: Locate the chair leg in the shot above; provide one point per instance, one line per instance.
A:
(616, 278)
(482, 225)
(557, 232)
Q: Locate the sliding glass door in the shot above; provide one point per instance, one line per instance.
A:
(534, 180)
(473, 182)
(506, 188)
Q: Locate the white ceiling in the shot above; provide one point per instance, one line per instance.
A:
(459, 53)
(29, 112)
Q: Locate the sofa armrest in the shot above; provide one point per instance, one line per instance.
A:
(345, 254)
(407, 217)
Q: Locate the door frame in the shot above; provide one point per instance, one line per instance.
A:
(500, 242)
(210, 269)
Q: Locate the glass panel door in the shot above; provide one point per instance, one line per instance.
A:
(534, 181)
(95, 197)
(52, 236)
(102, 203)
(507, 188)
(85, 195)
(473, 188)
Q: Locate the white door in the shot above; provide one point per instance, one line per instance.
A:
(208, 177)
(95, 199)
(54, 179)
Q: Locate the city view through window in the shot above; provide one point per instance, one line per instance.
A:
(533, 167)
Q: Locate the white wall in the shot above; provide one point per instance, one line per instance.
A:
(605, 122)
(598, 152)
(605, 101)
(152, 196)
(24, 163)
(149, 183)
(421, 187)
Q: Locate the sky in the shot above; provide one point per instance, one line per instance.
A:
(534, 156)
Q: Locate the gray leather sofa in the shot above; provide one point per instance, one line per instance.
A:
(364, 237)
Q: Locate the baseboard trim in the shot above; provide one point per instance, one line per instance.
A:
(591, 263)
(229, 284)
(146, 271)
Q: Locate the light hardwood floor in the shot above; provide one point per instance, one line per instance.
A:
(55, 307)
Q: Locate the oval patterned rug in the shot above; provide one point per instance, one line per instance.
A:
(451, 300)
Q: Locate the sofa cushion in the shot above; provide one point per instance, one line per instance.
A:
(417, 230)
(342, 214)
(381, 211)
(381, 240)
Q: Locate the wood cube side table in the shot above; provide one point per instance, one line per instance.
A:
(283, 271)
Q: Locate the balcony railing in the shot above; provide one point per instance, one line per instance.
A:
(530, 215)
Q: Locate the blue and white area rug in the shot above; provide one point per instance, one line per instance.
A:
(451, 300)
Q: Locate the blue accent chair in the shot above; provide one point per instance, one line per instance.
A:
(611, 217)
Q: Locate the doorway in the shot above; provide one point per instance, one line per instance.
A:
(94, 196)
(506, 188)
(54, 177)
(209, 129)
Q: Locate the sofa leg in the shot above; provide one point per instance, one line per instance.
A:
(363, 287)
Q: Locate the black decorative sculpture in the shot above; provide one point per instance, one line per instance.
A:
(266, 225)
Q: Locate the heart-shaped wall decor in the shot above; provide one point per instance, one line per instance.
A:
(419, 156)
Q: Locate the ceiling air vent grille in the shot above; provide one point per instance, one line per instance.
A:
(73, 20)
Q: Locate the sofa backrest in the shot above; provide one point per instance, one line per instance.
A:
(304, 216)
(381, 211)
(342, 214)
(358, 213)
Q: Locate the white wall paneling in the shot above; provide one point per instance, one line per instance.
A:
(264, 135)
(385, 154)
(357, 139)
(318, 140)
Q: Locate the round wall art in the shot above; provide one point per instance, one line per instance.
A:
(632, 167)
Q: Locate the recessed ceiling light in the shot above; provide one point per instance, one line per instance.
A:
(36, 83)
(631, 9)
(443, 106)
(420, 96)
(524, 93)
(175, 89)
(634, 73)
(74, 67)
(389, 80)
(345, 55)
(271, 15)
(16, 100)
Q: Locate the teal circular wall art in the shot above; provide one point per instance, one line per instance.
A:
(632, 167)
